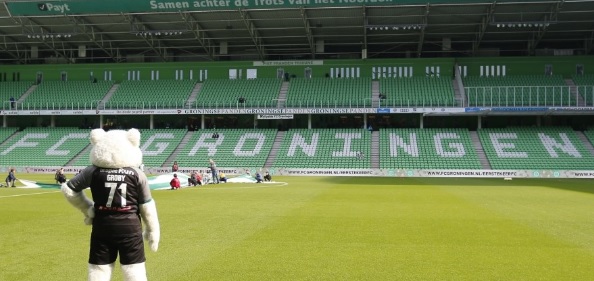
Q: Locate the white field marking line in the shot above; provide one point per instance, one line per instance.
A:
(222, 186)
(18, 195)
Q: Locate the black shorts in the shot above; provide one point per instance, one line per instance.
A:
(105, 249)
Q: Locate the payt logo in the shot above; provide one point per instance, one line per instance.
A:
(49, 7)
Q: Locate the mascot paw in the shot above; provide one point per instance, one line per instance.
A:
(88, 221)
(90, 215)
(153, 240)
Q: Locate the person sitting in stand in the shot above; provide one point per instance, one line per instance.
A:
(174, 183)
(267, 177)
(222, 177)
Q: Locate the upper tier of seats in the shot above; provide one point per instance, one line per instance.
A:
(151, 94)
(526, 90)
(43, 146)
(156, 145)
(427, 149)
(507, 91)
(535, 148)
(14, 90)
(417, 92)
(225, 93)
(233, 148)
(585, 85)
(324, 148)
(67, 95)
(327, 92)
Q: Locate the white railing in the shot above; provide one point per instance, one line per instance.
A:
(521, 96)
(526, 96)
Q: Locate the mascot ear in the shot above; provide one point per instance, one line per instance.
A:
(97, 135)
(134, 137)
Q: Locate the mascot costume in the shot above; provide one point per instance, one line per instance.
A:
(122, 199)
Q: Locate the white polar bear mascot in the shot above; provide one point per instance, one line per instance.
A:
(122, 198)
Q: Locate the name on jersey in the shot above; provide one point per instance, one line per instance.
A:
(117, 171)
(115, 177)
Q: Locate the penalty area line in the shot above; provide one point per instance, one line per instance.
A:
(28, 194)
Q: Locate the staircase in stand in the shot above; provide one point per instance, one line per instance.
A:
(193, 95)
(282, 95)
(80, 154)
(180, 146)
(573, 91)
(478, 147)
(375, 162)
(275, 147)
(375, 91)
(27, 93)
(101, 104)
(587, 143)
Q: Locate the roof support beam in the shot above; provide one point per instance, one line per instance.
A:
(310, 39)
(51, 46)
(589, 46)
(199, 34)
(487, 19)
(365, 24)
(253, 33)
(4, 48)
(154, 44)
(553, 14)
(81, 25)
(422, 35)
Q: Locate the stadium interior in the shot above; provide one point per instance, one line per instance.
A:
(441, 85)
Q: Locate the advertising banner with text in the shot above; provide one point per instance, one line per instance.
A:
(77, 7)
(265, 113)
(348, 172)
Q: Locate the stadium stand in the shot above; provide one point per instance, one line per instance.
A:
(67, 95)
(43, 146)
(156, 145)
(585, 86)
(535, 148)
(590, 134)
(226, 93)
(146, 94)
(521, 90)
(12, 89)
(325, 148)
(6, 132)
(233, 148)
(326, 92)
(417, 91)
(427, 149)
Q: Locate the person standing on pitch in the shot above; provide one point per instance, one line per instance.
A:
(213, 170)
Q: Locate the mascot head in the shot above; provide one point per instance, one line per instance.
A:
(115, 148)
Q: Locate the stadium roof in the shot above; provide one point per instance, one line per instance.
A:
(180, 30)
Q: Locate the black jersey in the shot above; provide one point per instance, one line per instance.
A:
(117, 194)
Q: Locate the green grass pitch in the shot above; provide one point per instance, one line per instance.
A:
(327, 228)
